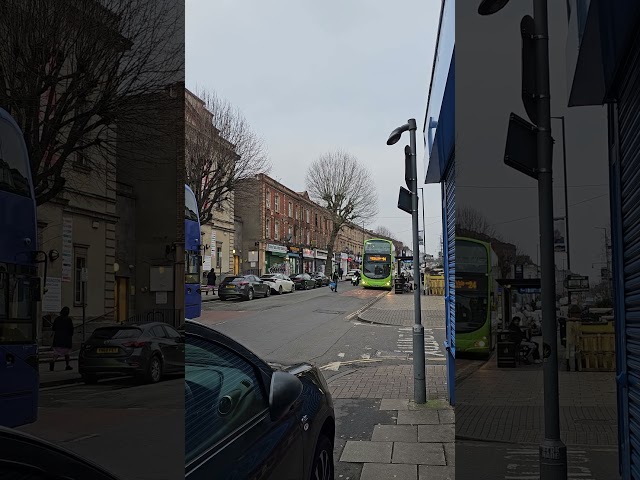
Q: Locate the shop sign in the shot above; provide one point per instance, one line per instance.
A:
(308, 253)
(321, 254)
(295, 250)
(276, 248)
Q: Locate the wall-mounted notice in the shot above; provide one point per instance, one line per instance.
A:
(67, 248)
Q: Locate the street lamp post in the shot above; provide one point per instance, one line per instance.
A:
(553, 452)
(411, 175)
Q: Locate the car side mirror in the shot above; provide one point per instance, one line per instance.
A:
(285, 389)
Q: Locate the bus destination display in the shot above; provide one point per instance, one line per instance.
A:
(378, 258)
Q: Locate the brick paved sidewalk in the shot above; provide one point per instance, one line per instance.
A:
(389, 382)
(506, 405)
(398, 309)
(418, 446)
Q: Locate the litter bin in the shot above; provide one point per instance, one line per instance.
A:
(506, 353)
(399, 285)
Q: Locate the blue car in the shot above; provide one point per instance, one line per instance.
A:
(245, 418)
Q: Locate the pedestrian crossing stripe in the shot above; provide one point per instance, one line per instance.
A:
(432, 348)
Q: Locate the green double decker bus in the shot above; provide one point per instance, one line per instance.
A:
(377, 264)
(475, 297)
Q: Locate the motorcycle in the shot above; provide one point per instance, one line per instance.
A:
(355, 280)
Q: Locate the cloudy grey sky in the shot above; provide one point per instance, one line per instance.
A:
(488, 89)
(311, 77)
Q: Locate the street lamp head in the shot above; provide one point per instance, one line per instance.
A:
(396, 134)
(489, 7)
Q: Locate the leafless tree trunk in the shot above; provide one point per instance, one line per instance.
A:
(221, 150)
(344, 187)
(70, 70)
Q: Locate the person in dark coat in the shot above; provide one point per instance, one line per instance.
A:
(211, 278)
(62, 338)
(335, 280)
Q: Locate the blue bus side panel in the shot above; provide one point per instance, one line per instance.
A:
(192, 296)
(19, 385)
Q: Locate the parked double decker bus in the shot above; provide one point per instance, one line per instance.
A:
(377, 264)
(192, 255)
(19, 282)
(475, 291)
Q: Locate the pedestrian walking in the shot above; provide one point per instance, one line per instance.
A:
(341, 273)
(335, 277)
(211, 278)
(62, 338)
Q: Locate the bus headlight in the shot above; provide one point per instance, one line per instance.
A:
(480, 344)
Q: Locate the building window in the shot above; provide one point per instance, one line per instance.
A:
(277, 203)
(308, 237)
(219, 258)
(80, 263)
(290, 234)
(267, 199)
(316, 220)
(277, 232)
(291, 209)
(307, 212)
(267, 230)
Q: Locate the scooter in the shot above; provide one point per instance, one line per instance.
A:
(355, 280)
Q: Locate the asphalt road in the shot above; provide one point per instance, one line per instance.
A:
(134, 431)
(318, 326)
(488, 461)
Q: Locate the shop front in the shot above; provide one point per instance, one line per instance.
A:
(294, 259)
(321, 259)
(276, 259)
(309, 260)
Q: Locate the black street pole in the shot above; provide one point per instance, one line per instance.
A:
(553, 452)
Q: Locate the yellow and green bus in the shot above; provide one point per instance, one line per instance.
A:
(475, 291)
(377, 264)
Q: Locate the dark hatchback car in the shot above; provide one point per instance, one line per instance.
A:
(321, 279)
(147, 350)
(25, 457)
(246, 419)
(303, 281)
(243, 286)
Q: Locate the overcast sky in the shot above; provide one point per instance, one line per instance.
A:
(488, 89)
(312, 77)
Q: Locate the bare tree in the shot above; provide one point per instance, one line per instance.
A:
(221, 150)
(472, 222)
(385, 232)
(344, 187)
(69, 70)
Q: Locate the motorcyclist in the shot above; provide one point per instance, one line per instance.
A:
(355, 278)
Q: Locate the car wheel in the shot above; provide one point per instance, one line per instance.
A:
(293, 289)
(280, 290)
(154, 370)
(268, 292)
(90, 379)
(322, 468)
(250, 294)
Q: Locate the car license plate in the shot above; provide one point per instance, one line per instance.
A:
(230, 286)
(107, 350)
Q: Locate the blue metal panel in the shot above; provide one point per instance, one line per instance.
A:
(626, 218)
(449, 246)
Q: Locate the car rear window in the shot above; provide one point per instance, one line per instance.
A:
(268, 277)
(116, 332)
(229, 279)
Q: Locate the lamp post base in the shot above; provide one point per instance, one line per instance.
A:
(553, 460)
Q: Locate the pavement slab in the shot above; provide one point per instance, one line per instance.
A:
(367, 452)
(377, 471)
(395, 433)
(418, 453)
(432, 472)
(418, 417)
(450, 453)
(394, 404)
(436, 433)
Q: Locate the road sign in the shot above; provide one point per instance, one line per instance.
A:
(577, 283)
(521, 152)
